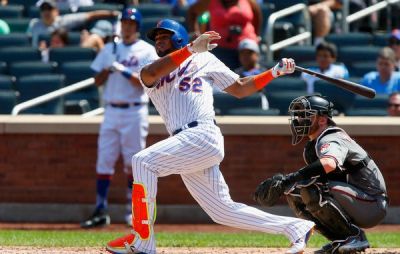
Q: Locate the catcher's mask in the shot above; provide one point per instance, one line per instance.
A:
(301, 111)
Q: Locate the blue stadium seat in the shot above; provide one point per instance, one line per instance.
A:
(155, 10)
(26, 3)
(341, 98)
(18, 25)
(34, 12)
(350, 39)
(71, 53)
(381, 40)
(30, 68)
(11, 11)
(30, 87)
(282, 100)
(224, 102)
(7, 82)
(3, 67)
(286, 84)
(298, 53)
(380, 101)
(8, 100)
(14, 39)
(350, 54)
(18, 54)
(101, 6)
(359, 69)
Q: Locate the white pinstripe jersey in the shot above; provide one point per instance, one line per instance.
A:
(186, 94)
(133, 56)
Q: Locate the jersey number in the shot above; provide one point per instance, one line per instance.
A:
(186, 84)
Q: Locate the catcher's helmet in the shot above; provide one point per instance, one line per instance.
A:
(301, 111)
(179, 37)
(132, 14)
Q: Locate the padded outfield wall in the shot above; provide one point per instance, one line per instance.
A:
(47, 165)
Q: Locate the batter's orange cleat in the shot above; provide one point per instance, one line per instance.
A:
(123, 245)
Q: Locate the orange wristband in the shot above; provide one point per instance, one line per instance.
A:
(180, 55)
(262, 79)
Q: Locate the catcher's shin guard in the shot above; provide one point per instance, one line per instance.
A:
(140, 211)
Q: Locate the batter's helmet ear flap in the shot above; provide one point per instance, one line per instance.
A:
(132, 14)
(180, 37)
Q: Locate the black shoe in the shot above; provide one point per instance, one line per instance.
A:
(355, 244)
(98, 219)
(329, 248)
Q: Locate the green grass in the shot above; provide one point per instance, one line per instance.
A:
(45, 238)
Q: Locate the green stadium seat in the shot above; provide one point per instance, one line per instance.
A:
(14, 39)
(11, 11)
(8, 100)
(366, 112)
(350, 54)
(341, 98)
(253, 112)
(350, 39)
(155, 10)
(30, 68)
(71, 53)
(380, 39)
(101, 6)
(282, 100)
(286, 84)
(380, 101)
(7, 82)
(18, 25)
(34, 12)
(359, 69)
(26, 3)
(32, 86)
(224, 102)
(18, 54)
(303, 53)
(3, 68)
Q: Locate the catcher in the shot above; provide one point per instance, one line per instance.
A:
(341, 189)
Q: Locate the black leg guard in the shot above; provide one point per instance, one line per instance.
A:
(323, 207)
(299, 208)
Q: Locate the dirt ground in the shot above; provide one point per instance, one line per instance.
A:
(167, 228)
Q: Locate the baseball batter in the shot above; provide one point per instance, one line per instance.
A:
(180, 84)
(341, 189)
(124, 129)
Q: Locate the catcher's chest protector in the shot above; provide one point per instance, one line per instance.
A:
(309, 153)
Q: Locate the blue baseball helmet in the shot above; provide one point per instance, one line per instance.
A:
(132, 14)
(179, 37)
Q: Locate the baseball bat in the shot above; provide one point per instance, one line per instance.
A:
(345, 84)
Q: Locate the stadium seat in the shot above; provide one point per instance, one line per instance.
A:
(33, 86)
(83, 100)
(11, 11)
(282, 100)
(350, 54)
(381, 40)
(298, 53)
(101, 6)
(366, 112)
(224, 102)
(341, 98)
(8, 100)
(155, 10)
(350, 39)
(253, 112)
(34, 12)
(380, 101)
(3, 67)
(286, 84)
(18, 54)
(359, 69)
(71, 53)
(18, 25)
(7, 82)
(26, 3)
(73, 37)
(30, 68)
(14, 39)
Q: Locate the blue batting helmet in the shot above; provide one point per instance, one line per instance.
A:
(132, 14)
(179, 37)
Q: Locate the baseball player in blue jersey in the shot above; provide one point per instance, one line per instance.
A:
(341, 188)
(124, 129)
(180, 84)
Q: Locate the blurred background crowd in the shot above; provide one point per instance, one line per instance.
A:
(49, 44)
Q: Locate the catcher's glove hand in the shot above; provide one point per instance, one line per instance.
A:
(269, 191)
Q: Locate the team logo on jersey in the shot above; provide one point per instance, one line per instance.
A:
(324, 148)
(171, 77)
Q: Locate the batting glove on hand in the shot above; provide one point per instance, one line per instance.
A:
(285, 66)
(117, 67)
(202, 43)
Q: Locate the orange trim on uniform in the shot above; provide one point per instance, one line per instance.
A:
(140, 211)
(180, 55)
(262, 79)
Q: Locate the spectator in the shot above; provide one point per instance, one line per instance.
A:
(58, 39)
(51, 20)
(4, 28)
(99, 35)
(325, 57)
(249, 55)
(73, 5)
(234, 20)
(394, 104)
(385, 80)
(3, 2)
(394, 43)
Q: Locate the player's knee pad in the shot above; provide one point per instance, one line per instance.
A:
(328, 212)
(140, 210)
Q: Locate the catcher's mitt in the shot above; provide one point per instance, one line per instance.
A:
(269, 191)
